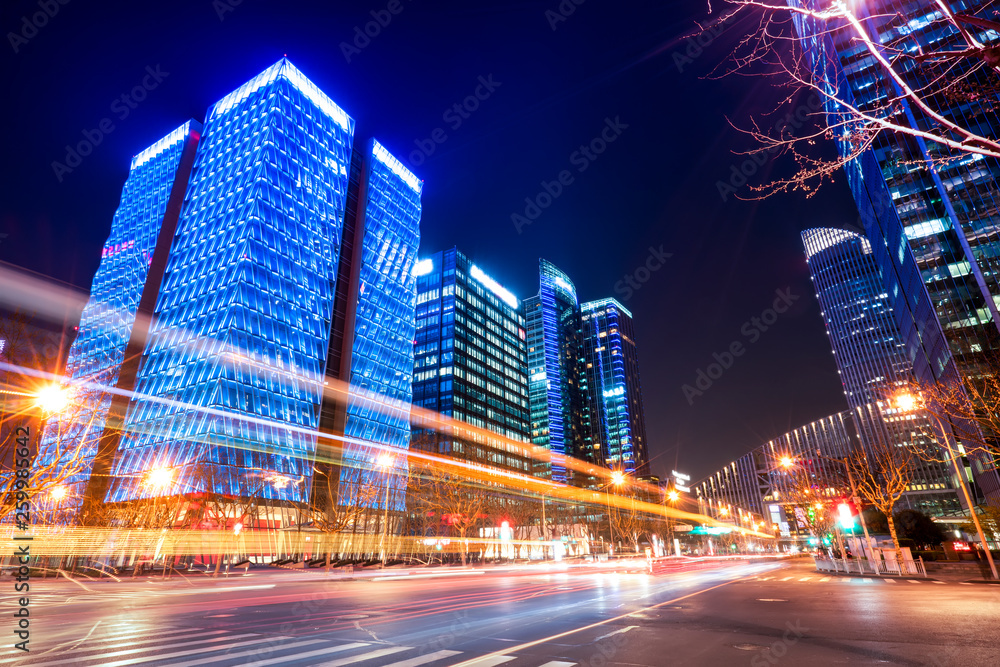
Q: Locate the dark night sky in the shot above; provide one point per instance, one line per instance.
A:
(655, 185)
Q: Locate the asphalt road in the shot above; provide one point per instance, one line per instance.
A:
(752, 614)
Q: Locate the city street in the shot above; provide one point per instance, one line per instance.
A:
(749, 614)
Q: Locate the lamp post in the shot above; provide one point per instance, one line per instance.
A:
(907, 402)
(385, 462)
(617, 479)
(672, 496)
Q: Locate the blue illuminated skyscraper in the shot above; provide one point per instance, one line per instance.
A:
(617, 419)
(556, 377)
(292, 263)
(471, 362)
(932, 214)
(115, 321)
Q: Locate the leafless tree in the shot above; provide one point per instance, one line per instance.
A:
(882, 473)
(444, 494)
(907, 72)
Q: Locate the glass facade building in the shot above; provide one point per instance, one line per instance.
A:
(557, 387)
(470, 361)
(265, 279)
(617, 419)
(115, 320)
(871, 357)
(930, 213)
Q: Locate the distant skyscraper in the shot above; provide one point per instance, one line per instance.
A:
(933, 215)
(617, 419)
(115, 321)
(470, 361)
(231, 384)
(871, 356)
(556, 376)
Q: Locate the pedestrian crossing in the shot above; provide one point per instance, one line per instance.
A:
(139, 645)
(840, 579)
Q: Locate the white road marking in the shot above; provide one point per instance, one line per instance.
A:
(825, 579)
(558, 663)
(787, 578)
(617, 632)
(312, 654)
(805, 578)
(131, 661)
(489, 662)
(371, 655)
(866, 580)
(889, 581)
(914, 581)
(424, 659)
(937, 582)
(242, 654)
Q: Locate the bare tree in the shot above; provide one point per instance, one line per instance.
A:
(444, 494)
(882, 474)
(333, 512)
(905, 73)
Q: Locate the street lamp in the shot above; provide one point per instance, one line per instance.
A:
(385, 461)
(52, 398)
(907, 402)
(786, 461)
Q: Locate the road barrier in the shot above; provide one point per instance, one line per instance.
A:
(888, 567)
(677, 564)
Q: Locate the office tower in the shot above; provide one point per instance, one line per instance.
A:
(372, 332)
(104, 358)
(617, 419)
(470, 362)
(231, 382)
(556, 376)
(872, 358)
(931, 213)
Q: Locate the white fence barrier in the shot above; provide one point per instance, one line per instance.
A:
(887, 567)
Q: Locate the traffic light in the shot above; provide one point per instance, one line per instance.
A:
(846, 515)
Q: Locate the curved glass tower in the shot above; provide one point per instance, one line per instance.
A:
(871, 356)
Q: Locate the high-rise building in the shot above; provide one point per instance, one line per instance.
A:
(617, 419)
(872, 359)
(292, 261)
(556, 375)
(932, 214)
(470, 362)
(104, 358)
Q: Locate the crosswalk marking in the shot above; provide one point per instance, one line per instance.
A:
(805, 578)
(825, 579)
(889, 581)
(867, 580)
(231, 656)
(558, 663)
(937, 582)
(914, 581)
(371, 655)
(302, 656)
(787, 578)
(102, 655)
(490, 661)
(424, 659)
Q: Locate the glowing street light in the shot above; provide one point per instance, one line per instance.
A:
(159, 478)
(724, 511)
(59, 492)
(787, 462)
(906, 402)
(617, 478)
(52, 398)
(673, 495)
